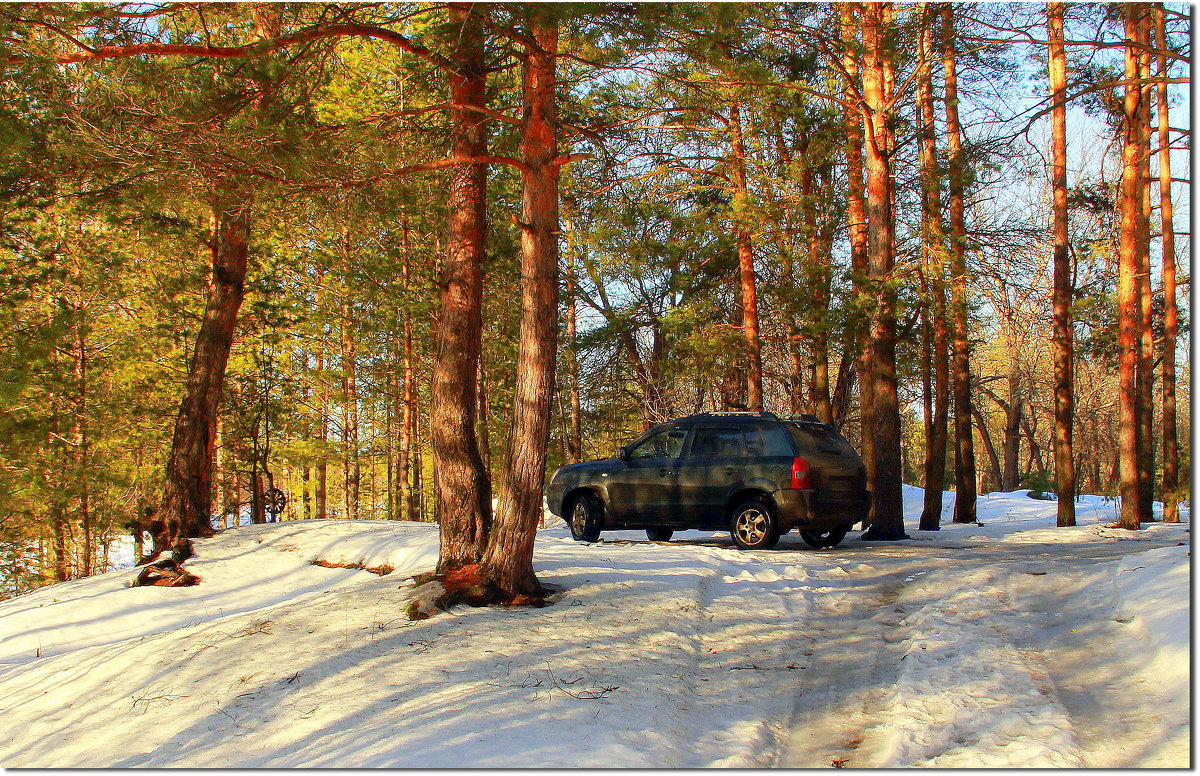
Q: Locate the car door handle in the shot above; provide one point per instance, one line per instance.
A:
(665, 472)
(732, 472)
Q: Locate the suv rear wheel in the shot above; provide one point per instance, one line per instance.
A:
(584, 516)
(831, 537)
(659, 534)
(753, 526)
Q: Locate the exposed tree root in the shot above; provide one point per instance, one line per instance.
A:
(439, 592)
(382, 570)
(166, 572)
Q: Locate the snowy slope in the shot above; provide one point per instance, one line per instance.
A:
(1011, 643)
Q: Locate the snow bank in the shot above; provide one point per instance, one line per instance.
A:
(652, 655)
(1152, 589)
(243, 570)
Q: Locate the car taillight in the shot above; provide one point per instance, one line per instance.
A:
(800, 478)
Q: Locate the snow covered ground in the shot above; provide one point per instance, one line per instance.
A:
(1013, 643)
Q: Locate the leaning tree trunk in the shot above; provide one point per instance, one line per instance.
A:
(1064, 339)
(508, 561)
(887, 509)
(964, 452)
(1170, 433)
(463, 489)
(185, 510)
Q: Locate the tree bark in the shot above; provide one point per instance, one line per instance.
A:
(993, 471)
(463, 490)
(1170, 433)
(1145, 292)
(575, 431)
(186, 507)
(748, 278)
(351, 466)
(964, 454)
(1129, 202)
(857, 224)
(933, 251)
(321, 484)
(1064, 334)
(508, 561)
(887, 510)
(82, 442)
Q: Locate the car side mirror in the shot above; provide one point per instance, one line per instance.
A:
(623, 453)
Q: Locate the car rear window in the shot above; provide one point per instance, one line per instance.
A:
(818, 438)
(767, 441)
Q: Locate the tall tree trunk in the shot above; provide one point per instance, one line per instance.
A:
(887, 509)
(1064, 334)
(1013, 410)
(351, 466)
(1145, 291)
(321, 486)
(748, 278)
(933, 237)
(575, 430)
(186, 507)
(964, 452)
(857, 223)
(82, 442)
(1129, 202)
(463, 489)
(817, 283)
(1170, 434)
(508, 561)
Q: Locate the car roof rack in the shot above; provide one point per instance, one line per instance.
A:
(733, 414)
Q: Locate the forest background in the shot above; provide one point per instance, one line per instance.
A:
(742, 206)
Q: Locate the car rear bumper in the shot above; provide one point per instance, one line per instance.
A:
(803, 509)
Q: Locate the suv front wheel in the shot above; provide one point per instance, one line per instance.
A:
(584, 517)
(753, 526)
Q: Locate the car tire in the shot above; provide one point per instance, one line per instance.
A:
(583, 516)
(754, 526)
(820, 539)
(659, 534)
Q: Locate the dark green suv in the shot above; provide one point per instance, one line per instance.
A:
(750, 473)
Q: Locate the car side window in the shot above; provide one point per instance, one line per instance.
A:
(713, 442)
(665, 444)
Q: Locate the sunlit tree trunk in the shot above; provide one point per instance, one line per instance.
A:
(747, 277)
(351, 467)
(887, 511)
(186, 506)
(1064, 336)
(508, 560)
(933, 239)
(964, 451)
(1170, 434)
(575, 431)
(1145, 286)
(463, 491)
(1129, 203)
(857, 223)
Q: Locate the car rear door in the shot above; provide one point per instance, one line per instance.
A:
(716, 461)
